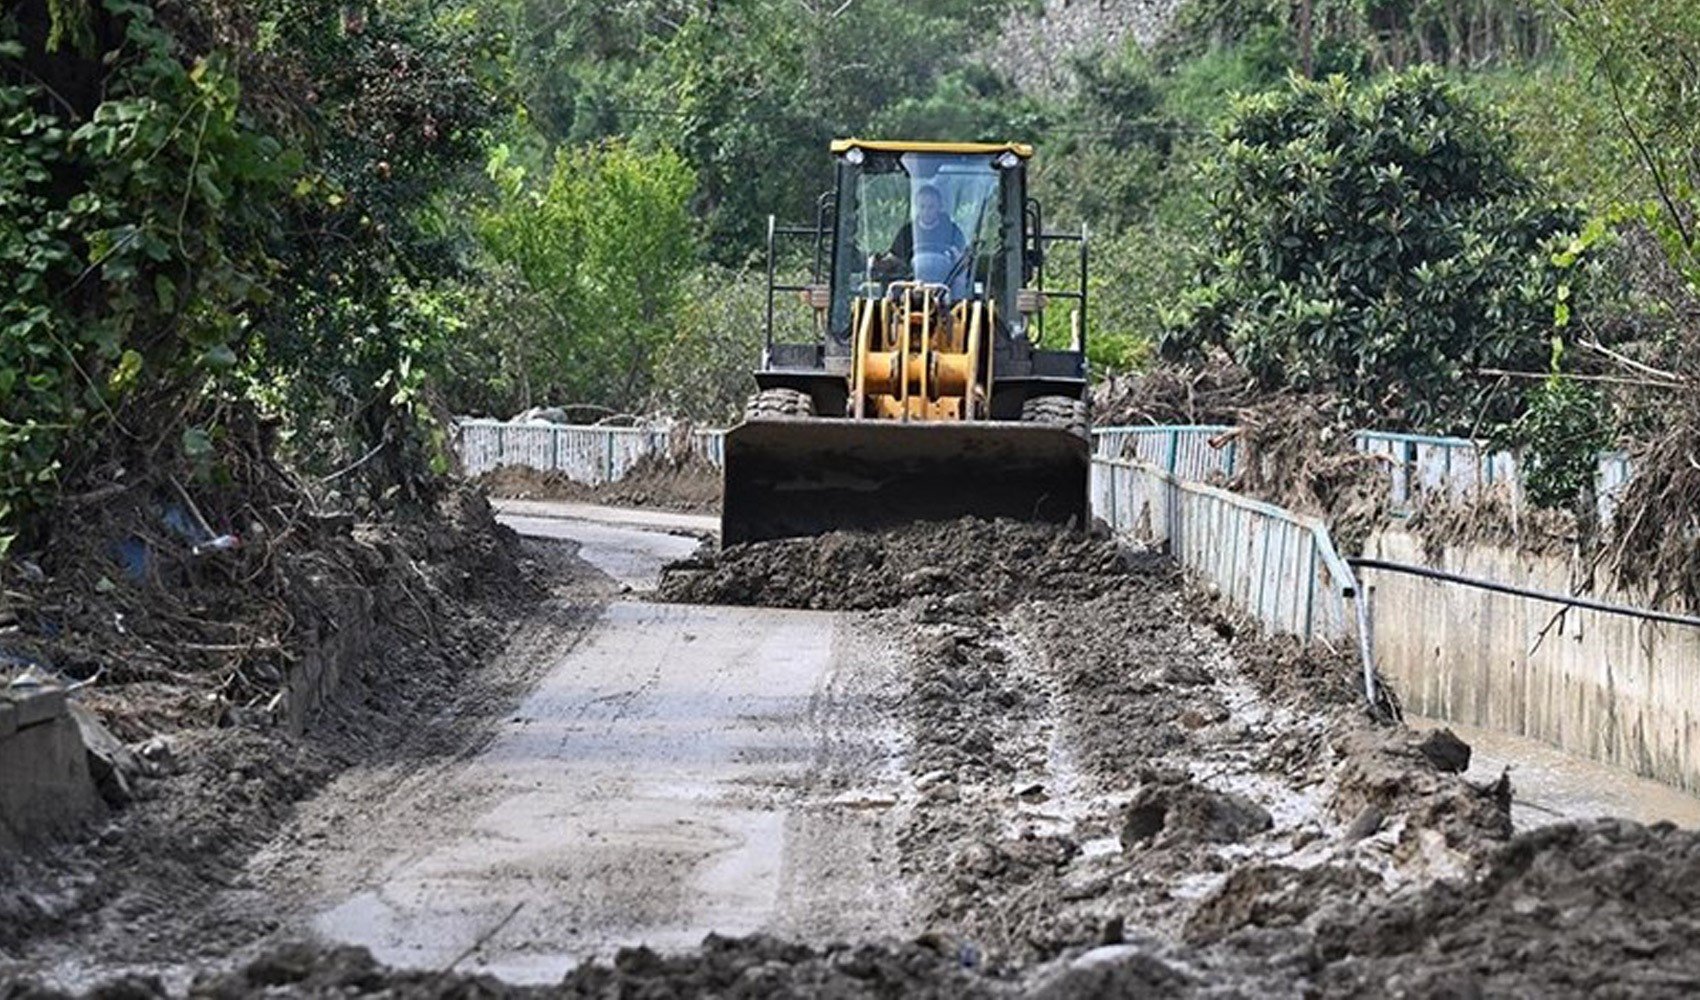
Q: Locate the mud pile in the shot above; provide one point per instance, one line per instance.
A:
(689, 484)
(752, 967)
(972, 564)
(1607, 907)
(201, 693)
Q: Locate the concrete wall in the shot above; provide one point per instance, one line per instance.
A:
(327, 658)
(45, 785)
(1609, 687)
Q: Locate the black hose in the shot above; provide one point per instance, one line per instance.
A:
(1539, 595)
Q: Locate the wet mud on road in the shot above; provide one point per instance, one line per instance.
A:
(677, 773)
(982, 759)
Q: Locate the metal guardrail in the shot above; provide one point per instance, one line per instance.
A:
(585, 454)
(1417, 463)
(1423, 463)
(1189, 451)
(1203, 453)
(1278, 567)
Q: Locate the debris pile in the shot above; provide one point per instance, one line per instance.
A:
(197, 669)
(974, 565)
(1215, 393)
(1582, 909)
(687, 484)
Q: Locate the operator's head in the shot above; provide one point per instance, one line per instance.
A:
(928, 205)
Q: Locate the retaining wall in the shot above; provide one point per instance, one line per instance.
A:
(1613, 688)
(45, 784)
(329, 657)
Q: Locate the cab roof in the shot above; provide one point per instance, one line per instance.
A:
(1020, 149)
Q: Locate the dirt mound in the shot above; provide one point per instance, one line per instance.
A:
(1277, 896)
(1393, 773)
(1301, 455)
(1576, 909)
(1168, 809)
(1491, 516)
(688, 484)
(193, 666)
(972, 564)
(752, 966)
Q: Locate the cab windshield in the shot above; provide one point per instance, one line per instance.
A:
(929, 217)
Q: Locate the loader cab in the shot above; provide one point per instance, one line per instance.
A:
(942, 218)
(955, 217)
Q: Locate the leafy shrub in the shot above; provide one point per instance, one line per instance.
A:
(605, 241)
(130, 242)
(1561, 434)
(1378, 244)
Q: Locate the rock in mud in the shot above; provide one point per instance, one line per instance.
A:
(1185, 811)
(1388, 770)
(1446, 751)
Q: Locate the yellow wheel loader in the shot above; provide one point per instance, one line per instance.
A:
(928, 391)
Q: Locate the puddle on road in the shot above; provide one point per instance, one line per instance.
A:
(1551, 786)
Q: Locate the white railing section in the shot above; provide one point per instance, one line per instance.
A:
(1199, 452)
(1277, 567)
(1203, 453)
(1417, 464)
(585, 454)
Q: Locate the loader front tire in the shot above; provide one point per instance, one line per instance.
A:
(779, 404)
(1059, 411)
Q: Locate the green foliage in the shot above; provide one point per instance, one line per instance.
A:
(129, 242)
(605, 241)
(703, 372)
(1377, 243)
(1646, 54)
(1560, 434)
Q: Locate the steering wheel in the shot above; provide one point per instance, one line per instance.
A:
(964, 257)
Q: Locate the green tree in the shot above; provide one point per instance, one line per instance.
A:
(605, 241)
(1380, 244)
(1647, 56)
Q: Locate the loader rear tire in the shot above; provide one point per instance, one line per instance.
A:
(780, 404)
(1059, 411)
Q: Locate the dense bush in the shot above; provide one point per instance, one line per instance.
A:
(605, 240)
(130, 234)
(1377, 243)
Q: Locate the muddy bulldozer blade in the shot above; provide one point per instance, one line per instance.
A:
(787, 478)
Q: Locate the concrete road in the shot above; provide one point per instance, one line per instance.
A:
(631, 517)
(679, 771)
(628, 545)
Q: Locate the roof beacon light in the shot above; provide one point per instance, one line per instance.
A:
(1008, 160)
(854, 156)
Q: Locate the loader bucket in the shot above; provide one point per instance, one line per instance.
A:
(788, 478)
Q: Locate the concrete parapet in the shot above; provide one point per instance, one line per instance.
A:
(45, 785)
(1614, 688)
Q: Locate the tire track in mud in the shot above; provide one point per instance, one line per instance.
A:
(1103, 788)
